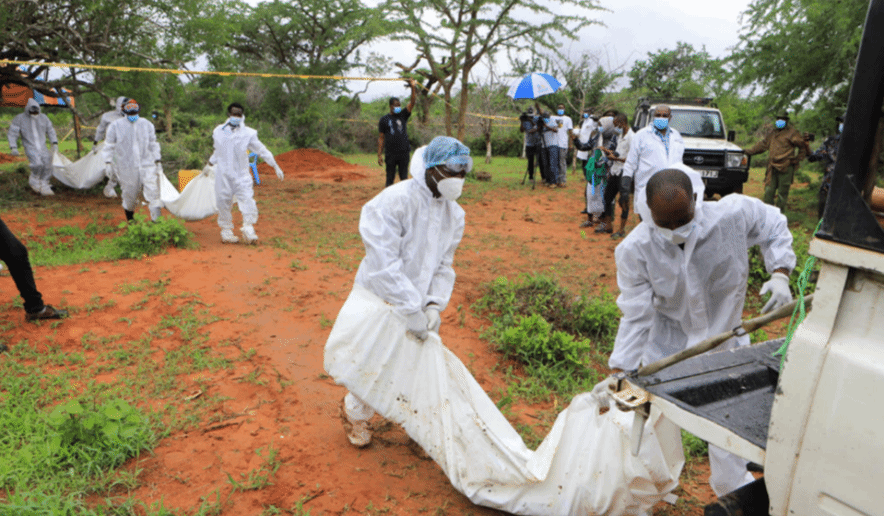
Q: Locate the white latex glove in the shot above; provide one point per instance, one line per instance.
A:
(602, 391)
(279, 173)
(778, 286)
(434, 320)
(417, 326)
(54, 148)
(14, 152)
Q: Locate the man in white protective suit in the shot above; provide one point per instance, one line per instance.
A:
(233, 142)
(411, 231)
(653, 148)
(131, 143)
(682, 274)
(33, 127)
(100, 133)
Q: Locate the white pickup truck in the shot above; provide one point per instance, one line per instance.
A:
(814, 426)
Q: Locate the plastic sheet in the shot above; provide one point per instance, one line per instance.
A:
(196, 201)
(82, 174)
(584, 466)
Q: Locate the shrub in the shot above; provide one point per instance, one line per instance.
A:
(149, 238)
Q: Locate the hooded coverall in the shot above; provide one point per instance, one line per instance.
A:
(133, 147)
(673, 298)
(100, 133)
(233, 179)
(34, 130)
(410, 238)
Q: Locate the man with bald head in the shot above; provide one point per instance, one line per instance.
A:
(683, 273)
(653, 148)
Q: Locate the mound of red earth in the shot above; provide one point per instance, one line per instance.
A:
(9, 158)
(314, 164)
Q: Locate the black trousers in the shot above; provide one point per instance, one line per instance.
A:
(393, 162)
(532, 151)
(15, 255)
(611, 192)
(543, 162)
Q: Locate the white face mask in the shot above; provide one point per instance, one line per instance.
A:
(450, 188)
(678, 235)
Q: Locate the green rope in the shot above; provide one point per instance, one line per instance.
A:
(800, 311)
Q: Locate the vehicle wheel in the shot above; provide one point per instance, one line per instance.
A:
(738, 189)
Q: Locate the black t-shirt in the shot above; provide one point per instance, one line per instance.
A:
(395, 130)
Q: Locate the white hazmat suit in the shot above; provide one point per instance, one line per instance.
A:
(233, 179)
(648, 154)
(33, 131)
(133, 147)
(100, 134)
(410, 238)
(673, 298)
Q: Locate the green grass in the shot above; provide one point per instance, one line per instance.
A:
(67, 245)
(65, 433)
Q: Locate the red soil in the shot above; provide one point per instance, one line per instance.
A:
(279, 302)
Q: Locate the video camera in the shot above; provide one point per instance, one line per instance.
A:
(525, 117)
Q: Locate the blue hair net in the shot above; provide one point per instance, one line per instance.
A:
(449, 151)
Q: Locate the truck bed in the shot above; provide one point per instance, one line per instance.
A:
(733, 388)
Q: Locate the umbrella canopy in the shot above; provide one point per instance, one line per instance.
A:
(534, 85)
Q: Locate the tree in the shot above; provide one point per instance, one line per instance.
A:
(310, 37)
(585, 78)
(452, 36)
(799, 51)
(682, 71)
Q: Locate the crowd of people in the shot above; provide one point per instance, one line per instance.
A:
(617, 161)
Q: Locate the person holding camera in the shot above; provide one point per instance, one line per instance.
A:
(528, 125)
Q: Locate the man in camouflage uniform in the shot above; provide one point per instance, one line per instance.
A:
(828, 154)
(782, 161)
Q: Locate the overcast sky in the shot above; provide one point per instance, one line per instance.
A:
(632, 29)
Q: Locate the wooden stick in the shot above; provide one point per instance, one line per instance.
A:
(713, 342)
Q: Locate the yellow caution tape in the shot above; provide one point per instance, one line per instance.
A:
(234, 74)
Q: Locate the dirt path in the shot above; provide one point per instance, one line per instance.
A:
(279, 299)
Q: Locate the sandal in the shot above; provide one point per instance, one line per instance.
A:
(586, 224)
(618, 235)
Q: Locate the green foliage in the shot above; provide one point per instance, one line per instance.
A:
(682, 71)
(77, 439)
(555, 336)
(96, 438)
(149, 238)
(694, 447)
(72, 244)
(799, 51)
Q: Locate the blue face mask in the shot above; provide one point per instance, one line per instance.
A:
(234, 121)
(132, 118)
(780, 124)
(397, 110)
(661, 123)
(841, 127)
(561, 112)
(585, 115)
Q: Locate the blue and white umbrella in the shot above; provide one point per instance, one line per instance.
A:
(534, 85)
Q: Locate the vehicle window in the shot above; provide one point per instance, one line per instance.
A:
(705, 124)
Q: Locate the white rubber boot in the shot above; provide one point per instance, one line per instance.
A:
(249, 235)
(228, 237)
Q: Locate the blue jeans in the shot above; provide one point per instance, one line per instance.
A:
(554, 174)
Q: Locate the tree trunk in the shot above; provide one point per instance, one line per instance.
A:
(167, 110)
(488, 142)
(464, 100)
